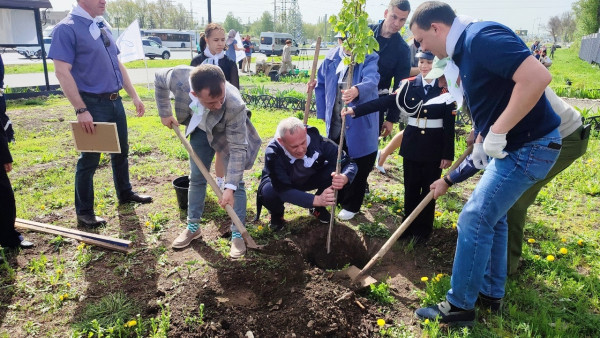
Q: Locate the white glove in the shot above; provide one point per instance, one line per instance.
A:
(478, 156)
(494, 144)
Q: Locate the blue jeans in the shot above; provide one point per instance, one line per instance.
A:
(480, 259)
(197, 190)
(103, 110)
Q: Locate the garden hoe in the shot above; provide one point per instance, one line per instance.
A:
(358, 276)
(211, 181)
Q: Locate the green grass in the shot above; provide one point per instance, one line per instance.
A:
(558, 298)
(156, 63)
(584, 77)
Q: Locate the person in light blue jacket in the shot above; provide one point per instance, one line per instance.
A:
(361, 134)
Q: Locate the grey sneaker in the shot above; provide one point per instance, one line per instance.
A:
(238, 248)
(185, 238)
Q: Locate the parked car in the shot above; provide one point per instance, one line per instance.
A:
(314, 45)
(153, 50)
(35, 51)
(254, 47)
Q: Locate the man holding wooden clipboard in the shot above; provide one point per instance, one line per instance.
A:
(91, 75)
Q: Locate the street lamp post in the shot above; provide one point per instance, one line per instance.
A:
(117, 19)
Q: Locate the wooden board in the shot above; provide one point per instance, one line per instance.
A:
(104, 140)
(82, 236)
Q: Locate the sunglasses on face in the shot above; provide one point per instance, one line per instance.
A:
(105, 37)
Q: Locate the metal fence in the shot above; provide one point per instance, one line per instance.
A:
(590, 48)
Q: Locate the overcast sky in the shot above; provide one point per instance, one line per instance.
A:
(517, 14)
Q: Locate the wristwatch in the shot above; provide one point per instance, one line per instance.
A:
(80, 110)
(447, 180)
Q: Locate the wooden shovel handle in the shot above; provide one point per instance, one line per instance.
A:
(313, 70)
(211, 181)
(390, 242)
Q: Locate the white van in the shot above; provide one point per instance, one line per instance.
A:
(271, 43)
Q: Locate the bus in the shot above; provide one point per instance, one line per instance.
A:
(173, 38)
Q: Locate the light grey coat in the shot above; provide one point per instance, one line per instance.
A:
(229, 130)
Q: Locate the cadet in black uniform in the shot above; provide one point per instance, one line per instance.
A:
(428, 144)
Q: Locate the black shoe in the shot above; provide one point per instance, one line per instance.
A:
(321, 214)
(444, 313)
(135, 197)
(90, 221)
(277, 223)
(493, 305)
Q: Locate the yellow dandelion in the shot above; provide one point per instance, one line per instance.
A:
(426, 321)
(61, 298)
(437, 279)
(260, 228)
(550, 258)
(58, 271)
(147, 223)
(531, 241)
(536, 257)
(439, 275)
(424, 279)
(563, 251)
(68, 285)
(380, 322)
(590, 160)
(395, 199)
(438, 214)
(454, 225)
(369, 205)
(131, 323)
(81, 246)
(42, 207)
(580, 242)
(564, 240)
(398, 210)
(384, 198)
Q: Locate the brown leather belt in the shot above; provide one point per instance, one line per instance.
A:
(104, 96)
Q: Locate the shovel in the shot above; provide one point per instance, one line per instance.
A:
(312, 77)
(211, 181)
(358, 276)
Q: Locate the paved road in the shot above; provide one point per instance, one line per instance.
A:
(138, 76)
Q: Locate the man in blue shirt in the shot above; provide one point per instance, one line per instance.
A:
(514, 124)
(394, 55)
(91, 75)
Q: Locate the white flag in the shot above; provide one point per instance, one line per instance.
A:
(130, 43)
(239, 54)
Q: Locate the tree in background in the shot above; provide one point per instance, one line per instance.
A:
(264, 24)
(569, 26)
(554, 27)
(231, 22)
(587, 17)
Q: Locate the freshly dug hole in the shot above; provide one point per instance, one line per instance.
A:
(346, 247)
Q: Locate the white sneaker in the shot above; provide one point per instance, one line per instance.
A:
(238, 248)
(185, 238)
(377, 166)
(346, 215)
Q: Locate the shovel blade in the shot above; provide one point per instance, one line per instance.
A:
(250, 243)
(363, 281)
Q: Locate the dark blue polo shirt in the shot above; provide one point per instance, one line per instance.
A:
(394, 58)
(488, 54)
(94, 67)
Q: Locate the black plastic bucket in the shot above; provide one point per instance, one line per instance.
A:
(181, 185)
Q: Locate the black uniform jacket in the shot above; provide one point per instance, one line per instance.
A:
(228, 66)
(293, 180)
(423, 145)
